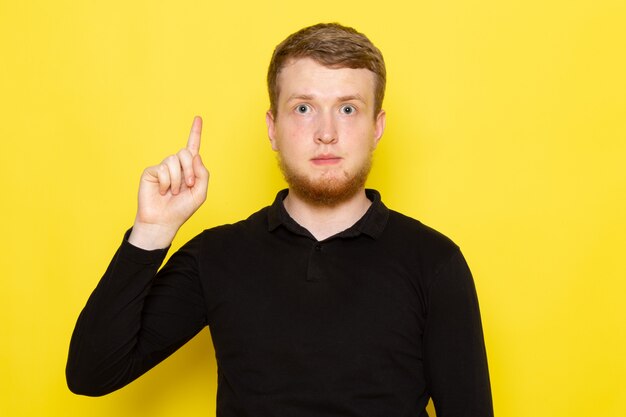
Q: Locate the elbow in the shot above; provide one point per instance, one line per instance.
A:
(81, 382)
(80, 385)
(87, 374)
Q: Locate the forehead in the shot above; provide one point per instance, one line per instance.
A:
(305, 76)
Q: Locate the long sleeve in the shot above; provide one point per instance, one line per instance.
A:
(135, 318)
(455, 357)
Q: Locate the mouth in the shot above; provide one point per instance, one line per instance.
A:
(326, 159)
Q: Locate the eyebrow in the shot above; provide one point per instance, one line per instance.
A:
(352, 97)
(300, 97)
(311, 97)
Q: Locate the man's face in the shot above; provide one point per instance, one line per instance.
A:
(325, 130)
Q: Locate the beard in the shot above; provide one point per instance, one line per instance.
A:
(327, 190)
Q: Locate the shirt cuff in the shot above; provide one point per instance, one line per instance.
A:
(141, 256)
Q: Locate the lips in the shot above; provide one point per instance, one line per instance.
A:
(325, 159)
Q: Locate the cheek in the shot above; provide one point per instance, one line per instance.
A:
(295, 133)
(290, 138)
(298, 131)
(360, 137)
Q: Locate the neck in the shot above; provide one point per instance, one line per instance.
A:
(325, 221)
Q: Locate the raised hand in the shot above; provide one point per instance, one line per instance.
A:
(169, 193)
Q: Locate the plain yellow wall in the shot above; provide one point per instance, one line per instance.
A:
(506, 131)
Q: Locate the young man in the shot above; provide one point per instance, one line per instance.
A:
(326, 303)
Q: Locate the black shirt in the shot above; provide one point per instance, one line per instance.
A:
(369, 322)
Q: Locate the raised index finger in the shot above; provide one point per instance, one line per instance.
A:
(193, 143)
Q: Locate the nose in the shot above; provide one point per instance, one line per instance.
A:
(326, 130)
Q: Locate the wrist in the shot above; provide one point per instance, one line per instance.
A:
(151, 236)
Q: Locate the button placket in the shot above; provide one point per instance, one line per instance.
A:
(314, 270)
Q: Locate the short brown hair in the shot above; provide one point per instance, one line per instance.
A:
(334, 46)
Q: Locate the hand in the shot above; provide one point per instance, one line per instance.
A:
(169, 193)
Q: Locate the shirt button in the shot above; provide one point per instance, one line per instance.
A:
(318, 248)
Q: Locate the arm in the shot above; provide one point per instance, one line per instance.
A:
(136, 317)
(455, 357)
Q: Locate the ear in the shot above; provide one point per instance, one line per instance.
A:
(379, 126)
(271, 129)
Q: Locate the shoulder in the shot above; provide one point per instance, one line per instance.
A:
(239, 231)
(412, 230)
(410, 240)
(223, 243)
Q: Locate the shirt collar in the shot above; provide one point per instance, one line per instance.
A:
(372, 223)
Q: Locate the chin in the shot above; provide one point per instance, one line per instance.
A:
(327, 190)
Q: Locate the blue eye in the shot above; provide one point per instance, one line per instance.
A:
(348, 109)
(302, 108)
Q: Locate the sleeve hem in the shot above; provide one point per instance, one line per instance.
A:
(141, 256)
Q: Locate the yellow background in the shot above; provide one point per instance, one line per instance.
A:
(506, 131)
